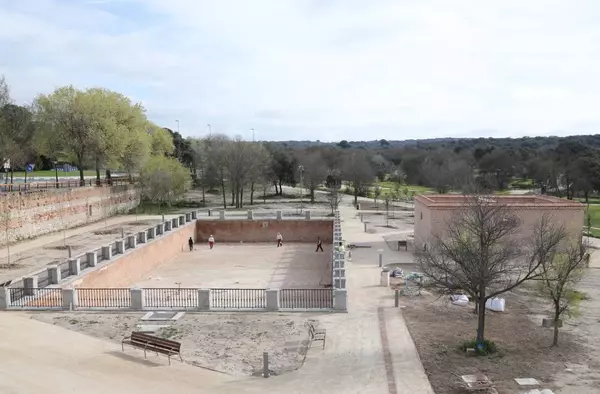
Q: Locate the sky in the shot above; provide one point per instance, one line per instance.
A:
(320, 69)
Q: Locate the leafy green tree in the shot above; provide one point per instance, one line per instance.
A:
(17, 131)
(164, 180)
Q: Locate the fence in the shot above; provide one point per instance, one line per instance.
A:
(36, 298)
(61, 184)
(104, 298)
(238, 298)
(306, 298)
(171, 298)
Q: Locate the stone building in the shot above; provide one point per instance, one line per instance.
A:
(433, 212)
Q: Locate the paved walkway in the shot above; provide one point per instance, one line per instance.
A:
(368, 350)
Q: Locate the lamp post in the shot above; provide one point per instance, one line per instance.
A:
(56, 172)
(301, 169)
(209, 130)
(252, 135)
(177, 125)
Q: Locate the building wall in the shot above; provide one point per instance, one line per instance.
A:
(264, 230)
(137, 263)
(35, 213)
(435, 221)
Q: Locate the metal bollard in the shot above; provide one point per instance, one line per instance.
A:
(70, 251)
(365, 227)
(396, 298)
(122, 232)
(265, 364)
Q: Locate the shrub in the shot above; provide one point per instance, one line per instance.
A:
(483, 349)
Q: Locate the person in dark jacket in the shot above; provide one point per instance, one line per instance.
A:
(191, 244)
(319, 245)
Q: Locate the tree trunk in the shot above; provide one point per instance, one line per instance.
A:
(556, 318)
(312, 195)
(98, 181)
(280, 188)
(242, 195)
(224, 196)
(26, 175)
(11, 174)
(232, 194)
(586, 193)
(252, 193)
(355, 196)
(108, 177)
(80, 164)
(481, 315)
(203, 187)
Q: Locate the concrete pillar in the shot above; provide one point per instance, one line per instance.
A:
(182, 220)
(307, 215)
(160, 229)
(279, 215)
(137, 298)
(272, 299)
(339, 272)
(175, 222)
(74, 266)
(222, 214)
(204, 299)
(132, 241)
(168, 225)
(143, 236)
(339, 263)
(339, 283)
(152, 233)
(120, 246)
(194, 215)
(188, 217)
(107, 252)
(70, 249)
(4, 298)
(250, 214)
(69, 298)
(210, 212)
(385, 278)
(340, 300)
(92, 259)
(380, 257)
(54, 274)
(30, 283)
(365, 227)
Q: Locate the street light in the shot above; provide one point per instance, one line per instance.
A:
(177, 125)
(56, 172)
(301, 169)
(209, 131)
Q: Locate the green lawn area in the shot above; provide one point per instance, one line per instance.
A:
(413, 188)
(51, 173)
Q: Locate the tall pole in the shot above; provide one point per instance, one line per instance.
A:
(301, 169)
(177, 125)
(252, 135)
(209, 130)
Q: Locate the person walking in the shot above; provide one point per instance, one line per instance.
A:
(279, 240)
(211, 241)
(319, 245)
(191, 244)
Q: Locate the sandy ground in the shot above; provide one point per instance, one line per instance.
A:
(32, 255)
(438, 328)
(295, 265)
(228, 343)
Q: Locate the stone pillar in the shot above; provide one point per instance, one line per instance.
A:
(340, 300)
(339, 272)
(175, 222)
(74, 266)
(279, 215)
(120, 246)
(69, 298)
(272, 300)
(365, 223)
(339, 263)
(107, 252)
(152, 232)
(4, 298)
(92, 259)
(339, 283)
(188, 217)
(137, 298)
(204, 299)
(380, 257)
(385, 278)
(222, 214)
(30, 283)
(182, 220)
(210, 212)
(143, 236)
(307, 215)
(250, 214)
(194, 215)
(168, 225)
(54, 274)
(132, 241)
(160, 229)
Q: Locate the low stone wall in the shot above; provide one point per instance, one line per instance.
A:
(33, 213)
(292, 230)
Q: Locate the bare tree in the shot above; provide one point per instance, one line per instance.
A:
(216, 154)
(376, 194)
(315, 171)
(333, 183)
(559, 275)
(445, 174)
(358, 172)
(482, 253)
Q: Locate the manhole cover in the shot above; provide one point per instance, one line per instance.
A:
(161, 315)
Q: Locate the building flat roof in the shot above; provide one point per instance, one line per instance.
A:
(516, 201)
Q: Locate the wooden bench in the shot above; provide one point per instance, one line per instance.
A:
(154, 344)
(317, 334)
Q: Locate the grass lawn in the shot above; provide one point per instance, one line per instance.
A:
(51, 173)
(414, 188)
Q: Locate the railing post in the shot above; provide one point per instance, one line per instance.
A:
(30, 283)
(54, 274)
(272, 300)
(222, 214)
(160, 229)
(168, 224)
(4, 298)
(143, 236)
(250, 214)
(188, 217)
(92, 259)
(120, 246)
(194, 215)
(107, 252)
(74, 266)
(137, 299)
(307, 215)
(132, 241)
(204, 299)
(279, 215)
(175, 222)
(181, 220)
(152, 232)
(69, 299)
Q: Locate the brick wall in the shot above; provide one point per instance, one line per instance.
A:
(264, 230)
(137, 263)
(31, 214)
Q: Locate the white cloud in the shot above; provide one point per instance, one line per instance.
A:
(320, 69)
